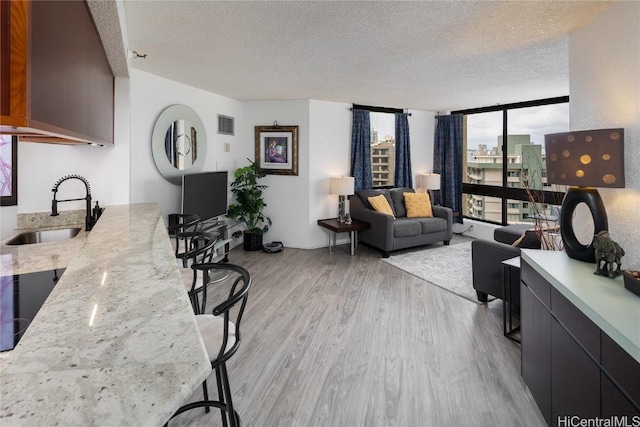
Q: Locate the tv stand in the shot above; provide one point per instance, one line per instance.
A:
(221, 227)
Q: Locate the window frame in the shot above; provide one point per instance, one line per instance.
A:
(505, 192)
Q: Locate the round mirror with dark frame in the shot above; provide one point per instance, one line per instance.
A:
(178, 143)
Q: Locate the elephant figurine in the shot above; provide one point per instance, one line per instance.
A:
(608, 252)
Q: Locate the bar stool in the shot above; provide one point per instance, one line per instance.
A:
(203, 248)
(220, 254)
(220, 332)
(200, 249)
(179, 224)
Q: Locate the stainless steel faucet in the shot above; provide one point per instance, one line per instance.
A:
(89, 220)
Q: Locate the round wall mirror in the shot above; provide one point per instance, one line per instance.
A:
(178, 143)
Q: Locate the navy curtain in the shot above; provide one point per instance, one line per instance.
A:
(402, 176)
(447, 161)
(361, 150)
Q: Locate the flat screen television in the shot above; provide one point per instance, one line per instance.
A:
(205, 194)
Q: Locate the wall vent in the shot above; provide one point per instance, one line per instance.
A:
(225, 125)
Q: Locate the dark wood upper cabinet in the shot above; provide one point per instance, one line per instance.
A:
(54, 69)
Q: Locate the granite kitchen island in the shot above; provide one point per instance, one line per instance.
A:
(116, 341)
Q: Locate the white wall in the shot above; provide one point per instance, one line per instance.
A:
(286, 196)
(330, 142)
(106, 169)
(8, 220)
(150, 95)
(604, 63)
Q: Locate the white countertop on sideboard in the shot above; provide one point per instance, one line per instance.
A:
(614, 309)
(116, 342)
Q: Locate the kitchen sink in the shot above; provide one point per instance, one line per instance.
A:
(44, 236)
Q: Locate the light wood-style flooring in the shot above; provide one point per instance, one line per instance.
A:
(340, 340)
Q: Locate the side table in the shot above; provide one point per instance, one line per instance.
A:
(510, 296)
(336, 227)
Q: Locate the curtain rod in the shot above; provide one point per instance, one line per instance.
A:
(526, 104)
(378, 109)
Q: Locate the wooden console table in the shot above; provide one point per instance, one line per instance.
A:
(336, 227)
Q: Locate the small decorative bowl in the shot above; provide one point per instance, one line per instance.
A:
(632, 281)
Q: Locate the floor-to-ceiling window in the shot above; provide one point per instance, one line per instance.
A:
(504, 177)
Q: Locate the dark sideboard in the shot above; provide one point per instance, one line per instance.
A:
(580, 341)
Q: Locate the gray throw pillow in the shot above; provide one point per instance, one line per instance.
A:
(398, 200)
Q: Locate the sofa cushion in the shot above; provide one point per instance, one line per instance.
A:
(418, 205)
(365, 194)
(380, 204)
(397, 197)
(432, 225)
(404, 227)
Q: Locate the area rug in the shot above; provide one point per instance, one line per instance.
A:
(447, 267)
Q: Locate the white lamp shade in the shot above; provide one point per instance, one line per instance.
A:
(429, 181)
(342, 185)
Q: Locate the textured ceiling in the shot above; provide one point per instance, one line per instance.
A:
(428, 55)
(106, 17)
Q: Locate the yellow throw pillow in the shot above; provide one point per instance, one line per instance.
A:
(418, 205)
(381, 204)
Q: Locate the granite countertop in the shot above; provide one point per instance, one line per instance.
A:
(606, 302)
(116, 342)
(20, 259)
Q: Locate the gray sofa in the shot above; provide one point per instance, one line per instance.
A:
(387, 234)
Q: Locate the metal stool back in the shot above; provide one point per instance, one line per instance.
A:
(220, 332)
(200, 248)
(179, 224)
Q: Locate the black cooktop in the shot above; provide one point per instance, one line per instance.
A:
(21, 296)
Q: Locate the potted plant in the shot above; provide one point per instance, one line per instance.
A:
(249, 205)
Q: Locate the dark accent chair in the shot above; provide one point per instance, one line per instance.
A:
(487, 257)
(387, 234)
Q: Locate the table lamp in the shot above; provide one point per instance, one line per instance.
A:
(342, 186)
(430, 182)
(584, 160)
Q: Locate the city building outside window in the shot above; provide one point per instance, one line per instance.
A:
(383, 149)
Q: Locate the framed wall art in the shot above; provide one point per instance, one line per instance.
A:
(277, 149)
(8, 170)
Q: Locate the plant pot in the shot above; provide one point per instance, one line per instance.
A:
(252, 241)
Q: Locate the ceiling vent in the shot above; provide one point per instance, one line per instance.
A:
(225, 125)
